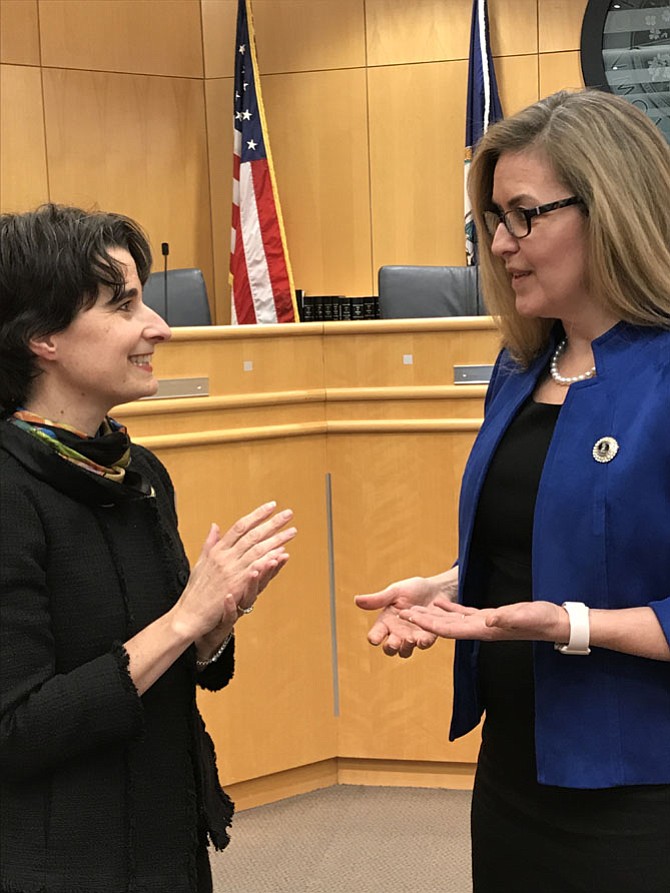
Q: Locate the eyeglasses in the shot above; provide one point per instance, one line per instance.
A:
(517, 221)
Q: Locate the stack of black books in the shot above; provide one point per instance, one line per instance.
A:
(336, 308)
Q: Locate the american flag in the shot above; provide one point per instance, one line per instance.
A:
(483, 106)
(260, 273)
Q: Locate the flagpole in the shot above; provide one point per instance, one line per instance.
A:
(268, 152)
(483, 108)
(261, 278)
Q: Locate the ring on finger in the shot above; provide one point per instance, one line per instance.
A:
(242, 611)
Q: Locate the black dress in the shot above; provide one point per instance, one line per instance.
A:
(528, 837)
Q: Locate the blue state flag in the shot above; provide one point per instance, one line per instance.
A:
(483, 106)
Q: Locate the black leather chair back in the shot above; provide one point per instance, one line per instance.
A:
(414, 291)
(186, 304)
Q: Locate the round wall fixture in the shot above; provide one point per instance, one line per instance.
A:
(625, 48)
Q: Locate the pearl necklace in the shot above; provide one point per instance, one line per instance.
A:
(566, 380)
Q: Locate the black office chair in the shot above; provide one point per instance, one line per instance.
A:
(186, 303)
(406, 292)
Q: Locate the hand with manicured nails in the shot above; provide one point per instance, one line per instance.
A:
(232, 570)
(227, 578)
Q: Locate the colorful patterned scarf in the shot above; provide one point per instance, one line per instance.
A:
(107, 454)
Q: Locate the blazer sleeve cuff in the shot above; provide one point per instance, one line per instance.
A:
(662, 610)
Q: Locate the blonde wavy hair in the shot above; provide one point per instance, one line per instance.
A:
(608, 153)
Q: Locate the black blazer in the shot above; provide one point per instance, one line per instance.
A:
(101, 790)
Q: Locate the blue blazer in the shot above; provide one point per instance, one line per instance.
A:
(601, 535)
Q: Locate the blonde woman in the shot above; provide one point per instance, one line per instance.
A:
(560, 598)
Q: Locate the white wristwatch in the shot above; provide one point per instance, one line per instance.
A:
(579, 629)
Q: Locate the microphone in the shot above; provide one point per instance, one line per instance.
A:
(165, 250)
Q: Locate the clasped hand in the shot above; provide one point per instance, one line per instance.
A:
(418, 610)
(391, 630)
(232, 570)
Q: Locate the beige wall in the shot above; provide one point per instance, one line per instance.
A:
(126, 104)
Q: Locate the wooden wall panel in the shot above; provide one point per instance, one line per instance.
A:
(19, 37)
(517, 82)
(136, 145)
(513, 27)
(321, 162)
(396, 491)
(331, 35)
(560, 24)
(301, 35)
(355, 360)
(139, 36)
(416, 164)
(219, 20)
(560, 71)
(399, 32)
(278, 713)
(292, 363)
(23, 170)
(384, 411)
(223, 421)
(432, 31)
(394, 499)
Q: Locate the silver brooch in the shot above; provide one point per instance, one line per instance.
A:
(605, 449)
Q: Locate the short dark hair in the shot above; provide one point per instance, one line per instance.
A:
(53, 261)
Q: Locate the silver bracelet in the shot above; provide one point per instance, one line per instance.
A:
(201, 664)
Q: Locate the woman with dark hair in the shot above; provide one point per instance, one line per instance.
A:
(109, 780)
(560, 598)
